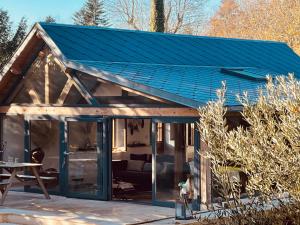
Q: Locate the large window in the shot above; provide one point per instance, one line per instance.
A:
(119, 135)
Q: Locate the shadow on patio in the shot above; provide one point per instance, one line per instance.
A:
(34, 209)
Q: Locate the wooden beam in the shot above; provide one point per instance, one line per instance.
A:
(61, 99)
(16, 70)
(206, 178)
(99, 111)
(83, 90)
(85, 94)
(77, 83)
(25, 67)
(34, 96)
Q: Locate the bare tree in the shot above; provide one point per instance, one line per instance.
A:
(50, 19)
(181, 16)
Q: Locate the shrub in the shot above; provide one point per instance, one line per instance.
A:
(267, 151)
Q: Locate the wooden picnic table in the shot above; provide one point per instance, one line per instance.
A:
(14, 170)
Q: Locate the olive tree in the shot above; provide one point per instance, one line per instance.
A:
(267, 150)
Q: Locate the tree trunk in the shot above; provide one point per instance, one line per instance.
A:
(157, 20)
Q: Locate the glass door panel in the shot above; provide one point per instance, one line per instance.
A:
(174, 161)
(45, 149)
(84, 171)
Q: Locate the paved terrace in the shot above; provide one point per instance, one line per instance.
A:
(29, 208)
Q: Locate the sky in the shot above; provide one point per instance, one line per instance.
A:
(61, 10)
(37, 10)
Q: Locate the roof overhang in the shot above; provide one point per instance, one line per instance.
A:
(66, 64)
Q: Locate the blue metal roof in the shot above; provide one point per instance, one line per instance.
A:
(181, 68)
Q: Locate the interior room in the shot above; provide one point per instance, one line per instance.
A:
(132, 157)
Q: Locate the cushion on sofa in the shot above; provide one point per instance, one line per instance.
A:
(140, 157)
(165, 158)
(147, 167)
(135, 165)
(119, 165)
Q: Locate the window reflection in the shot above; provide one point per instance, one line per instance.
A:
(174, 160)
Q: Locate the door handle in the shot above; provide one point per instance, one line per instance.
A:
(68, 153)
(64, 158)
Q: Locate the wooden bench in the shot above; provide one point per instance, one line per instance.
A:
(27, 177)
(3, 186)
(13, 178)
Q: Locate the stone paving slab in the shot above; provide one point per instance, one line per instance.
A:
(88, 211)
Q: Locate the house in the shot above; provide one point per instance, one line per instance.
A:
(112, 112)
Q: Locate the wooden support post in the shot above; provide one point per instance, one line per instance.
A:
(180, 154)
(206, 178)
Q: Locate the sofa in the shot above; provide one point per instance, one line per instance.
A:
(138, 171)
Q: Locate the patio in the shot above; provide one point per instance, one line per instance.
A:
(29, 208)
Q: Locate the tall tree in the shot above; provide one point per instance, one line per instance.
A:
(91, 14)
(157, 19)
(50, 19)
(9, 40)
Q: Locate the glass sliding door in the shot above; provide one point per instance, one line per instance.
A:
(45, 149)
(174, 160)
(85, 159)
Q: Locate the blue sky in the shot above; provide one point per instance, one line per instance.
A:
(62, 10)
(37, 10)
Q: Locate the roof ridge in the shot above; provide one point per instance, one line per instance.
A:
(158, 33)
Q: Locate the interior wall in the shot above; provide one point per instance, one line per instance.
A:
(13, 138)
(142, 136)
